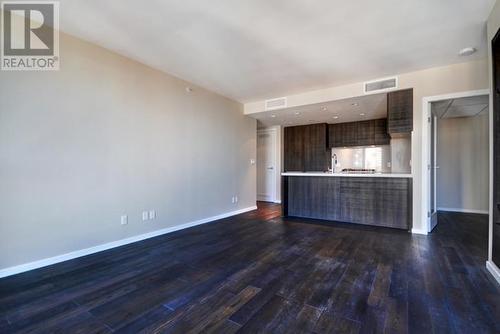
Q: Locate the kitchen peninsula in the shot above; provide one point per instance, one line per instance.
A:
(357, 172)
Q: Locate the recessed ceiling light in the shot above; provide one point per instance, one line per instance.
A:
(362, 114)
(273, 116)
(324, 108)
(467, 52)
(354, 104)
(297, 113)
(335, 117)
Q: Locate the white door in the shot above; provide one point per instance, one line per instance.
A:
(266, 165)
(433, 170)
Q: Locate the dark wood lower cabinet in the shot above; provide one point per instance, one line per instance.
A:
(370, 201)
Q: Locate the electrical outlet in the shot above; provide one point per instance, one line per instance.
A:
(124, 220)
(152, 214)
(145, 215)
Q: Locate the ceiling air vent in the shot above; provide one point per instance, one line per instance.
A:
(278, 103)
(381, 85)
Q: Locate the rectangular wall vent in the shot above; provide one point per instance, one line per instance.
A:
(278, 103)
(381, 85)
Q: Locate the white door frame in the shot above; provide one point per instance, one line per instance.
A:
(426, 143)
(274, 134)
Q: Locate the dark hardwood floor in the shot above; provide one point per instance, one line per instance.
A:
(259, 273)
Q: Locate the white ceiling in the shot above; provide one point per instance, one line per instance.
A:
(339, 111)
(463, 107)
(254, 49)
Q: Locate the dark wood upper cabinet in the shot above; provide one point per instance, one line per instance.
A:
(381, 135)
(400, 111)
(335, 135)
(316, 155)
(306, 148)
(294, 149)
(350, 134)
(372, 132)
(365, 133)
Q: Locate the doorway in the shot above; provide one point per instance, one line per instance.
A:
(267, 166)
(457, 155)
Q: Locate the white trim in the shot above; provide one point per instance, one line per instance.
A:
(418, 231)
(426, 103)
(264, 198)
(493, 269)
(87, 251)
(277, 202)
(483, 212)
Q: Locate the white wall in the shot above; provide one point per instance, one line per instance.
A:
(463, 158)
(107, 136)
(430, 82)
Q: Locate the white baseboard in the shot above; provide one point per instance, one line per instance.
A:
(493, 269)
(277, 202)
(87, 251)
(419, 231)
(483, 212)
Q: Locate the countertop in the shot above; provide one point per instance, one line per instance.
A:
(399, 175)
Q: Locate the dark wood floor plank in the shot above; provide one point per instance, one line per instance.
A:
(217, 319)
(330, 322)
(273, 317)
(258, 272)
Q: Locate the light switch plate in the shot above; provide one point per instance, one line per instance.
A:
(152, 214)
(124, 220)
(145, 215)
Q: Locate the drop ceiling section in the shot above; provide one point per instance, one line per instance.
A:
(462, 107)
(339, 111)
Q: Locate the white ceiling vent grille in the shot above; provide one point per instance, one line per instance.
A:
(278, 103)
(381, 85)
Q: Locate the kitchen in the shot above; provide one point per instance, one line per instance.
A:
(354, 166)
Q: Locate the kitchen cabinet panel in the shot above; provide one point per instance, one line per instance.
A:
(400, 111)
(350, 134)
(306, 148)
(370, 201)
(294, 149)
(363, 133)
(336, 135)
(381, 135)
(316, 154)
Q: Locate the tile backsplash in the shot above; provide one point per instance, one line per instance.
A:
(394, 158)
(364, 157)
